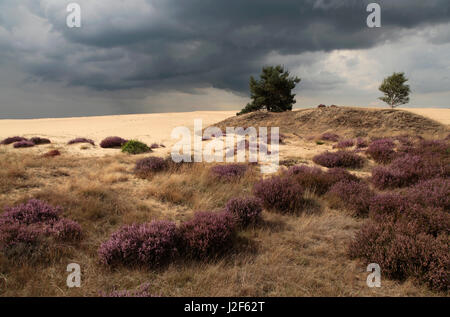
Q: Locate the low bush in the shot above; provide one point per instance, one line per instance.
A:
(353, 196)
(51, 153)
(405, 171)
(13, 139)
(155, 146)
(208, 234)
(81, 140)
(247, 211)
(345, 144)
(39, 141)
(150, 165)
(382, 150)
(433, 192)
(135, 147)
(28, 229)
(280, 194)
(229, 172)
(339, 159)
(23, 144)
(330, 137)
(361, 143)
(112, 142)
(403, 251)
(150, 244)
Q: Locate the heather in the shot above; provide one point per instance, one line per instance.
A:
(13, 139)
(246, 210)
(229, 172)
(352, 195)
(361, 143)
(208, 234)
(339, 159)
(406, 170)
(135, 147)
(23, 144)
(330, 137)
(280, 194)
(402, 251)
(81, 140)
(150, 165)
(39, 141)
(112, 142)
(150, 244)
(381, 150)
(142, 290)
(345, 144)
(31, 227)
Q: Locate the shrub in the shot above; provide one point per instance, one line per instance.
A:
(361, 143)
(149, 165)
(280, 194)
(312, 178)
(52, 153)
(345, 144)
(149, 244)
(382, 150)
(135, 147)
(434, 192)
(29, 229)
(329, 137)
(113, 142)
(13, 139)
(387, 205)
(34, 211)
(81, 140)
(402, 251)
(339, 159)
(338, 174)
(22, 144)
(208, 234)
(406, 170)
(247, 211)
(229, 172)
(39, 141)
(154, 146)
(354, 196)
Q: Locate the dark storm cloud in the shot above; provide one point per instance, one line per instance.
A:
(182, 45)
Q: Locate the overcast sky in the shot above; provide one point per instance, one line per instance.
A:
(135, 56)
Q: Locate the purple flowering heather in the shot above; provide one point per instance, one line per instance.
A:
(247, 210)
(13, 139)
(23, 144)
(229, 172)
(382, 150)
(345, 144)
(355, 196)
(208, 234)
(81, 140)
(149, 165)
(113, 142)
(330, 137)
(39, 141)
(150, 244)
(339, 159)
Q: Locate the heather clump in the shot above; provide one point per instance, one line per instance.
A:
(280, 194)
(112, 142)
(208, 234)
(352, 195)
(330, 137)
(150, 244)
(339, 159)
(34, 227)
(40, 141)
(13, 139)
(229, 172)
(149, 165)
(246, 210)
(344, 144)
(81, 140)
(23, 144)
(381, 150)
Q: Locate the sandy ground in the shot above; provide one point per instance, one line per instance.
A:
(441, 115)
(148, 128)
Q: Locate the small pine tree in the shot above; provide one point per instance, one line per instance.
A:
(396, 92)
(272, 91)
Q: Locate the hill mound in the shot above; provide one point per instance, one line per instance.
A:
(344, 120)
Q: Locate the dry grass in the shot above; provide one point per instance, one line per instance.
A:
(291, 255)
